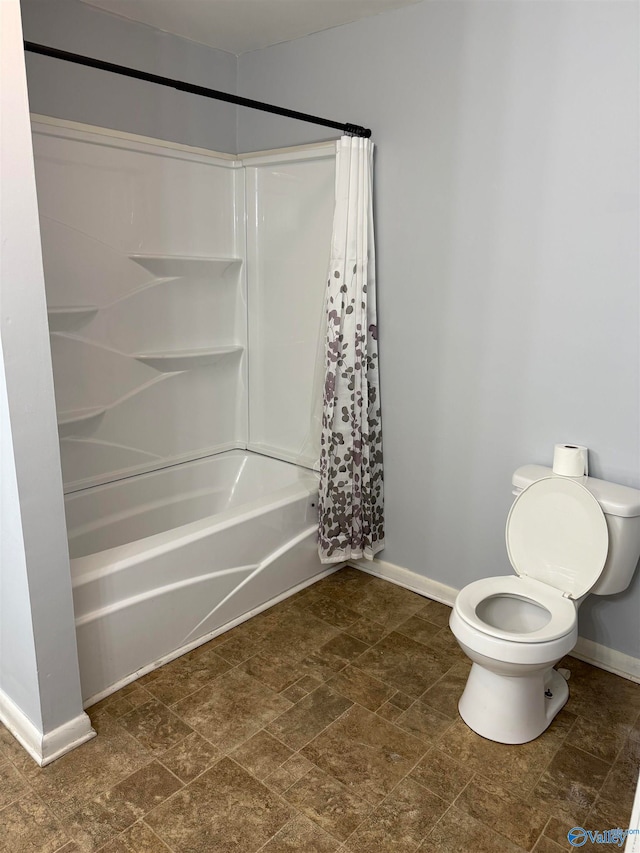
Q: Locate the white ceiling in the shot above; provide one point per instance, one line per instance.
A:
(238, 26)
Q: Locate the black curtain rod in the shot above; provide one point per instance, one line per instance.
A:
(43, 50)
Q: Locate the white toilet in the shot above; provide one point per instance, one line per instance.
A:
(566, 537)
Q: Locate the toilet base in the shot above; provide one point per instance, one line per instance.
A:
(512, 709)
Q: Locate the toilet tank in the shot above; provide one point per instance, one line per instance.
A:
(621, 508)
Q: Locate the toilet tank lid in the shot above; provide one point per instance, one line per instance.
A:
(614, 498)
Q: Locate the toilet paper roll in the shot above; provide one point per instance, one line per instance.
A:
(571, 460)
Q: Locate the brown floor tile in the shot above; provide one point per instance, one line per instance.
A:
(95, 822)
(334, 656)
(241, 642)
(361, 688)
(444, 641)
(230, 709)
(445, 694)
(400, 822)
(458, 832)
(571, 782)
(95, 766)
(143, 790)
(298, 635)
(309, 683)
(619, 786)
(328, 803)
(389, 712)
(424, 722)
(404, 664)
(387, 603)
(9, 746)
(559, 825)
(261, 754)
(546, 845)
(305, 720)
(137, 839)
(237, 649)
(392, 846)
(419, 630)
(396, 772)
(517, 767)
(289, 773)
(434, 611)
(634, 734)
(191, 757)
(206, 657)
(331, 611)
(121, 702)
(368, 631)
(224, 810)
(367, 754)
(29, 826)
(187, 674)
(346, 586)
(600, 695)
(605, 814)
(309, 593)
(259, 626)
(278, 673)
(294, 693)
(12, 785)
(370, 845)
(604, 740)
(497, 807)
(401, 700)
(442, 775)
(301, 834)
(155, 727)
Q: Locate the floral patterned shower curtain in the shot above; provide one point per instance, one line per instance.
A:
(351, 494)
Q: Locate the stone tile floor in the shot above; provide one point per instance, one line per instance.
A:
(326, 723)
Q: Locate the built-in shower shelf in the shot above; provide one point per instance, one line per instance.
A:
(178, 265)
(65, 317)
(78, 416)
(170, 362)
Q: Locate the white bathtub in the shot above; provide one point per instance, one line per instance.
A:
(163, 561)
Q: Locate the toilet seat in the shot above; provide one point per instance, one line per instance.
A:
(557, 541)
(557, 534)
(562, 610)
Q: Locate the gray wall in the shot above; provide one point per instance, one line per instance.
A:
(39, 677)
(507, 222)
(95, 97)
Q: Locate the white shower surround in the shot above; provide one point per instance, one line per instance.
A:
(152, 252)
(152, 308)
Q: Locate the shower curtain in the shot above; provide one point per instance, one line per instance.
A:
(351, 505)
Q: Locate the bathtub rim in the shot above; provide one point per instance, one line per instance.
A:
(93, 566)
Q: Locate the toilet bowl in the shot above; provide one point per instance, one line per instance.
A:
(515, 628)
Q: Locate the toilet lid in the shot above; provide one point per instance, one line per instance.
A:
(557, 534)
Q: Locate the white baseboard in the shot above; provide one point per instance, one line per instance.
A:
(44, 748)
(408, 579)
(587, 650)
(610, 659)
